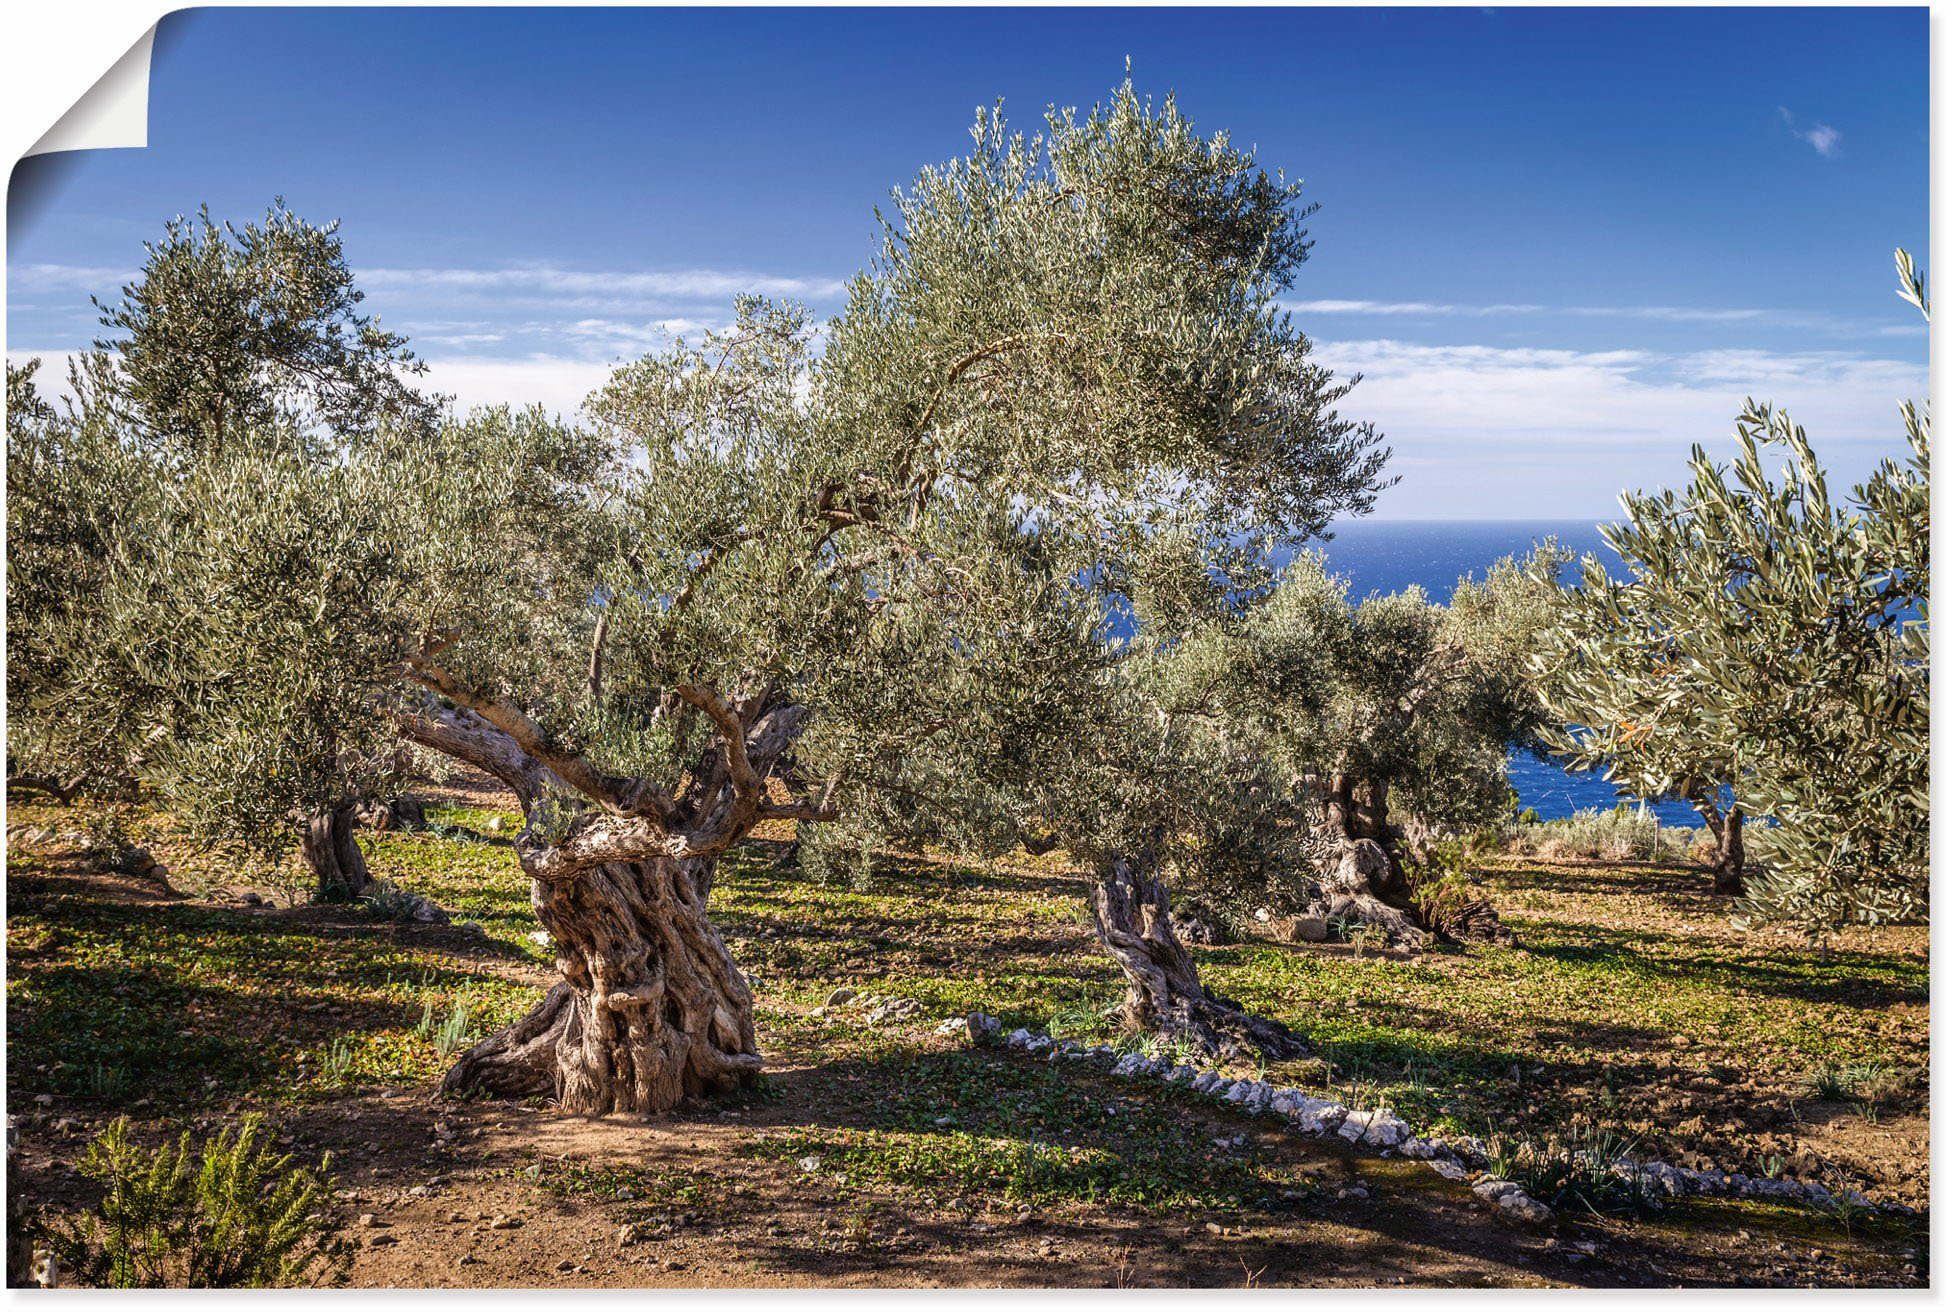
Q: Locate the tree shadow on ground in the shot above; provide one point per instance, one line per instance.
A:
(1846, 978)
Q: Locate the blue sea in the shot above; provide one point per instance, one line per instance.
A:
(1383, 556)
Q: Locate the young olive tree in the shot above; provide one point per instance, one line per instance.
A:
(232, 343)
(1607, 669)
(767, 578)
(1773, 639)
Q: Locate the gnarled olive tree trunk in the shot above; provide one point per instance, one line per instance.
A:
(1364, 881)
(1730, 853)
(1163, 993)
(330, 850)
(651, 1009)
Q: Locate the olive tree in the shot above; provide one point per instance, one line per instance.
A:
(1606, 670)
(765, 576)
(1197, 761)
(230, 342)
(1392, 722)
(1770, 637)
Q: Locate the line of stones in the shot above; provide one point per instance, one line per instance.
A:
(1454, 1158)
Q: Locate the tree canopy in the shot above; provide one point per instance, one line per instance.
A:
(1771, 638)
(773, 565)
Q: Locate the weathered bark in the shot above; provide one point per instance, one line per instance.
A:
(651, 1009)
(329, 848)
(1163, 993)
(1352, 893)
(1364, 881)
(1730, 852)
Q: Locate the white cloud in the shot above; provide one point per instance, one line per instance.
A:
(1478, 431)
(1813, 320)
(1491, 432)
(557, 384)
(549, 282)
(1824, 139)
(66, 277)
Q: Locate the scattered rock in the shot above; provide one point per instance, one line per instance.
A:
(840, 997)
(1522, 1209)
(505, 1222)
(894, 1009)
(252, 900)
(1307, 929)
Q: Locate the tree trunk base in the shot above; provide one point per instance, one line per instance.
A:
(651, 1010)
(1365, 889)
(330, 850)
(1351, 895)
(1163, 993)
(517, 1062)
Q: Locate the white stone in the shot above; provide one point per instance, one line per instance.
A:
(1447, 1167)
(1522, 1208)
(1385, 1129)
(1321, 1117)
(1492, 1190)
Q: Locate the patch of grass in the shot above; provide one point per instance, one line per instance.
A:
(1028, 1134)
(653, 1189)
(176, 1003)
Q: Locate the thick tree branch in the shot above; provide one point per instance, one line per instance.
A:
(465, 736)
(627, 796)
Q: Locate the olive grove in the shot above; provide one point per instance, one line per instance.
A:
(782, 569)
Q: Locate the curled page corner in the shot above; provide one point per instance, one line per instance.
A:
(113, 114)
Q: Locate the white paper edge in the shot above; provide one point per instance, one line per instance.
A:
(111, 115)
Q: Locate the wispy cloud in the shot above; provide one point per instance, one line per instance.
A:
(1824, 139)
(1478, 431)
(530, 286)
(1812, 320)
(95, 279)
(545, 280)
(1486, 431)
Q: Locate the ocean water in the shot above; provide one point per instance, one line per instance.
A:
(1383, 556)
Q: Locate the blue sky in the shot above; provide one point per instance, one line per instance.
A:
(1560, 245)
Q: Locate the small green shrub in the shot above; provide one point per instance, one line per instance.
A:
(453, 1034)
(1574, 1169)
(111, 845)
(1828, 1083)
(1622, 834)
(227, 1215)
(389, 901)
